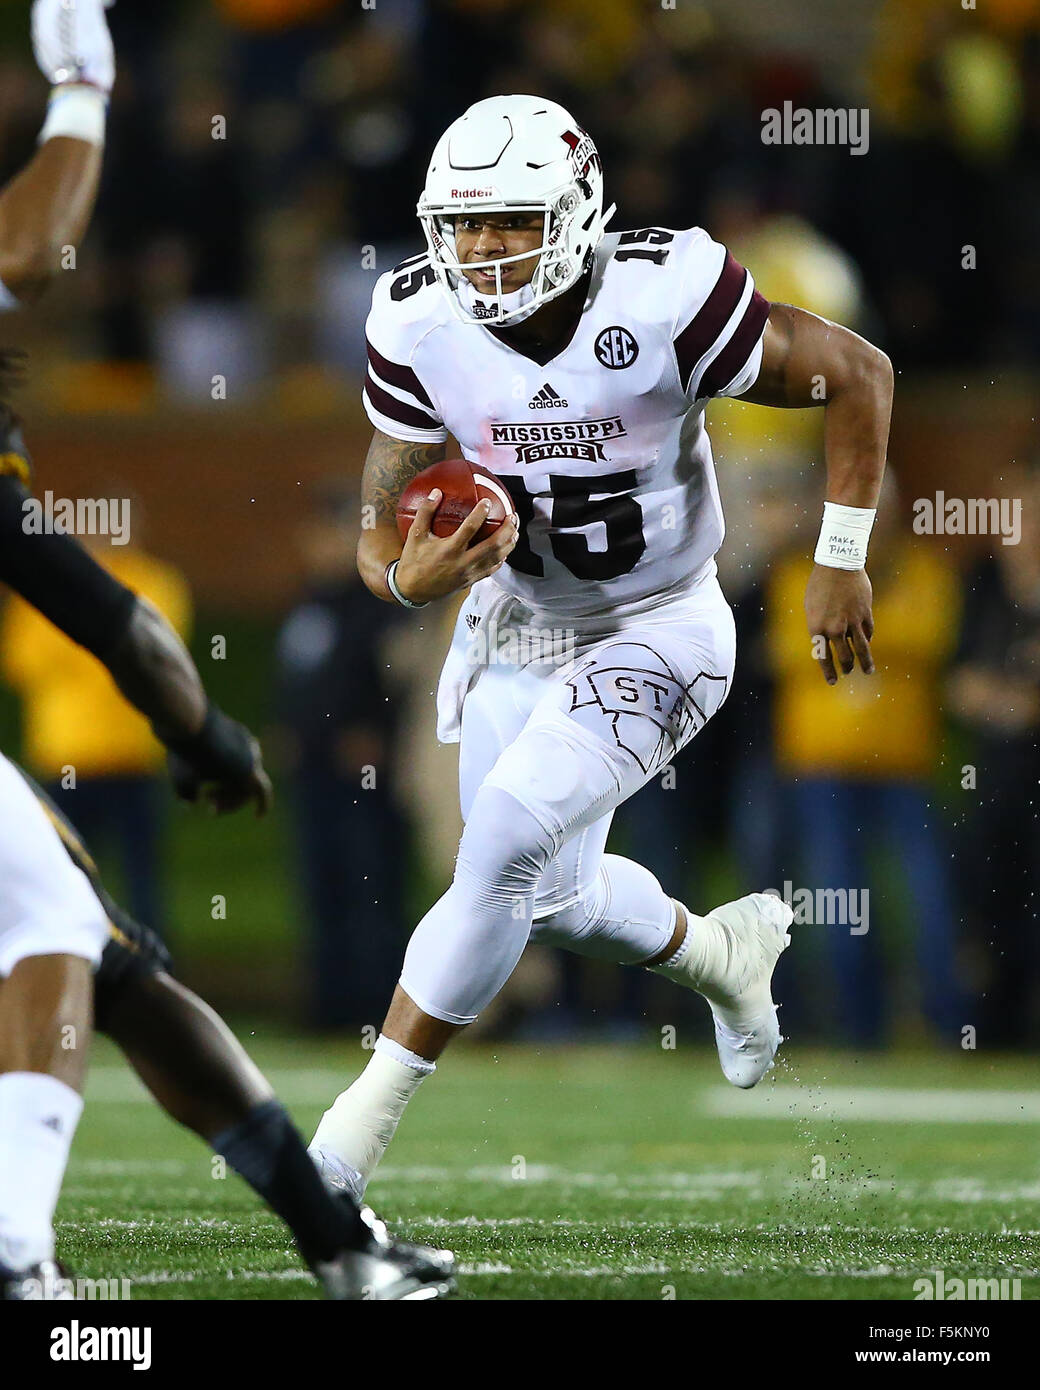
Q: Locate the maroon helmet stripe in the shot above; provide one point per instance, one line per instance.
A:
(397, 410)
(700, 333)
(397, 375)
(735, 354)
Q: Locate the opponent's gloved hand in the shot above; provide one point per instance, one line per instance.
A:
(72, 43)
(222, 763)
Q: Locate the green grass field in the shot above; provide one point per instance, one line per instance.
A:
(595, 1173)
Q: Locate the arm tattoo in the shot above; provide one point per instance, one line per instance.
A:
(389, 468)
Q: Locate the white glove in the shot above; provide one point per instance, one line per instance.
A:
(72, 43)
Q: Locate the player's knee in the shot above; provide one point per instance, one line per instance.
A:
(575, 922)
(504, 848)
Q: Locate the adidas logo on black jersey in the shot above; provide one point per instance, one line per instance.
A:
(546, 399)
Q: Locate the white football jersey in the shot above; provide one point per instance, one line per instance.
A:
(603, 449)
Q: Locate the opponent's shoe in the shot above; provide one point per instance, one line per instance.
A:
(47, 1280)
(729, 958)
(338, 1176)
(386, 1270)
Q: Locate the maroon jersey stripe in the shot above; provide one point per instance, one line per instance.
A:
(711, 318)
(397, 410)
(397, 375)
(739, 348)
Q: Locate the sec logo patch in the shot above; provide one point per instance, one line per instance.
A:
(616, 348)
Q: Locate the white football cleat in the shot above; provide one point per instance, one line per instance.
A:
(730, 959)
(338, 1176)
(753, 931)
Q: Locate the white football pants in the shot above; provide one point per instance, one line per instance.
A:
(47, 905)
(548, 752)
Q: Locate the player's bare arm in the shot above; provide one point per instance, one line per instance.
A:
(45, 208)
(430, 567)
(211, 755)
(806, 360)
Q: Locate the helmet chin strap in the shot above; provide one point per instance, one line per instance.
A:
(518, 305)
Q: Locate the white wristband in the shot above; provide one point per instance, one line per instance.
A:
(844, 535)
(76, 111)
(391, 584)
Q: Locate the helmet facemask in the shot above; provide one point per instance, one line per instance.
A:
(557, 267)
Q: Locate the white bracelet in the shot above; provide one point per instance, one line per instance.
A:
(844, 535)
(391, 584)
(77, 111)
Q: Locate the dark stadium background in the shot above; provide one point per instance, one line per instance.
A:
(252, 256)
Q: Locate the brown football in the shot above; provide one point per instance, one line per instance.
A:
(463, 484)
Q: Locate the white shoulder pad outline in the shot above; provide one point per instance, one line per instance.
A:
(407, 303)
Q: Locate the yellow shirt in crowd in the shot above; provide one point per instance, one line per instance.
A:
(72, 712)
(887, 725)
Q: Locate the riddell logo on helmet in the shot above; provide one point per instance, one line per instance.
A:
(472, 192)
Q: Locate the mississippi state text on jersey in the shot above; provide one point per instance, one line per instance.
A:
(604, 448)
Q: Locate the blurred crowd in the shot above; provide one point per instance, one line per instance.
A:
(265, 157)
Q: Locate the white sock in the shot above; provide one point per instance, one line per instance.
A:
(38, 1117)
(718, 958)
(702, 960)
(358, 1126)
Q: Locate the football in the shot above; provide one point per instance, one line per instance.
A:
(463, 484)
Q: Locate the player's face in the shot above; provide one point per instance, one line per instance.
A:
(493, 236)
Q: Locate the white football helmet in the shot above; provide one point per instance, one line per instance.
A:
(514, 154)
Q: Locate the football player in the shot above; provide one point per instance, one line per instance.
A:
(182, 1050)
(51, 927)
(55, 921)
(201, 1075)
(576, 364)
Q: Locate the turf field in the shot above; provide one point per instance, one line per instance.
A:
(598, 1173)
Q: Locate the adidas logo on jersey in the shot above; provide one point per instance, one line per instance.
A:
(546, 399)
